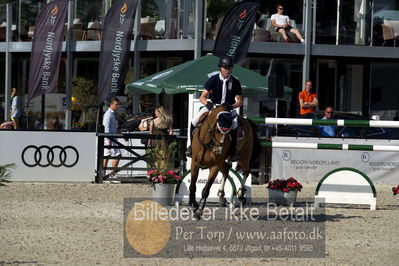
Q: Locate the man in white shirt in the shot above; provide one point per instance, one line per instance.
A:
(282, 24)
(110, 126)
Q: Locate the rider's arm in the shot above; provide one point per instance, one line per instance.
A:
(203, 97)
(238, 102)
(312, 104)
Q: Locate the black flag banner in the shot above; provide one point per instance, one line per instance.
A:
(235, 32)
(46, 49)
(115, 48)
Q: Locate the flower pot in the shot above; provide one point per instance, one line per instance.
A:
(164, 193)
(282, 198)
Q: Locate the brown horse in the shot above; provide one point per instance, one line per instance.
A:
(210, 147)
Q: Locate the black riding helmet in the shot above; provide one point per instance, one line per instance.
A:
(225, 61)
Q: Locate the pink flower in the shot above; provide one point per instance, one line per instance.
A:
(285, 185)
(151, 172)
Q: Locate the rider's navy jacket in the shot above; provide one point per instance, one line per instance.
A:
(215, 86)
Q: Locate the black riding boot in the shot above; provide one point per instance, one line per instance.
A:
(233, 153)
(189, 149)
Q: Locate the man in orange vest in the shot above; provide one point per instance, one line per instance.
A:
(307, 99)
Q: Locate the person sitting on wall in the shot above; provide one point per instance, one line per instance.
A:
(7, 125)
(282, 24)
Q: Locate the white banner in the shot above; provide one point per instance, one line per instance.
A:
(312, 165)
(49, 156)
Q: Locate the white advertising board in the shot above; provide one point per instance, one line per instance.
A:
(311, 165)
(49, 156)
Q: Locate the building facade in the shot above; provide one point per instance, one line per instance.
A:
(349, 53)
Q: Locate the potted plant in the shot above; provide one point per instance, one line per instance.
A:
(5, 173)
(395, 190)
(163, 178)
(283, 191)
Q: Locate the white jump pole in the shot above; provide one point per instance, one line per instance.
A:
(329, 122)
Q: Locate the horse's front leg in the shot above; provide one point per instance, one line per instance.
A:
(225, 170)
(193, 187)
(242, 190)
(213, 171)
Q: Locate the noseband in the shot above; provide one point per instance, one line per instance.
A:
(215, 145)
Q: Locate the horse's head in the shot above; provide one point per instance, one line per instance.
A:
(221, 118)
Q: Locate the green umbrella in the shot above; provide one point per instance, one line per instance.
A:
(193, 75)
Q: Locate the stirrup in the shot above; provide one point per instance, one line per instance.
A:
(189, 151)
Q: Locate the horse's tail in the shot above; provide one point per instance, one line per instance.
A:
(256, 148)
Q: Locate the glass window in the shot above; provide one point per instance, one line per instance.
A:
(326, 82)
(354, 22)
(215, 11)
(153, 19)
(292, 78)
(25, 14)
(326, 22)
(385, 10)
(384, 95)
(3, 18)
(2, 90)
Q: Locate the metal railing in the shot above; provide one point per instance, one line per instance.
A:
(134, 156)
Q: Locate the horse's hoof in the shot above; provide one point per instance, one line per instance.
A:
(220, 193)
(197, 215)
(241, 193)
(222, 202)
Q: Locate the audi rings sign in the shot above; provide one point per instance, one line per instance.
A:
(49, 156)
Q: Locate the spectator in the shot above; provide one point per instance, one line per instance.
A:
(15, 112)
(7, 125)
(282, 24)
(161, 125)
(327, 131)
(110, 126)
(307, 99)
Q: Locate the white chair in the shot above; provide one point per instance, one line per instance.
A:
(160, 28)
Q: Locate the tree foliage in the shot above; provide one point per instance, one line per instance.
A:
(84, 94)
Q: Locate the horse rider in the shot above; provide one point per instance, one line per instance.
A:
(226, 89)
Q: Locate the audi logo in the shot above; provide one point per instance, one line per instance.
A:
(55, 156)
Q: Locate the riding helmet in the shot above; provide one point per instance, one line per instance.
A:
(225, 61)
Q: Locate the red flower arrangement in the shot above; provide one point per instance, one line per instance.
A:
(395, 190)
(163, 176)
(285, 185)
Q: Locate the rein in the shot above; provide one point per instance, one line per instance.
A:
(213, 141)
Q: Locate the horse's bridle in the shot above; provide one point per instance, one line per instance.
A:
(215, 145)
